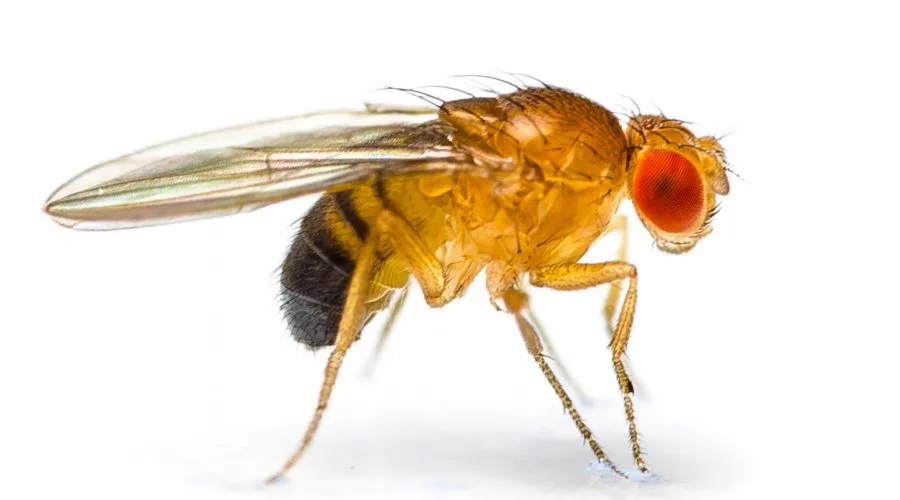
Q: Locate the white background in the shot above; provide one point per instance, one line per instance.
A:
(154, 363)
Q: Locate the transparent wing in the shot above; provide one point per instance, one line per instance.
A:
(243, 168)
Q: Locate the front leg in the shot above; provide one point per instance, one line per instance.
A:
(619, 223)
(581, 276)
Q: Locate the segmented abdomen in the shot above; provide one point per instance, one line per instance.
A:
(316, 272)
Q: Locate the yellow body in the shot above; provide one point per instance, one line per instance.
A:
(515, 185)
(555, 168)
(558, 166)
(560, 174)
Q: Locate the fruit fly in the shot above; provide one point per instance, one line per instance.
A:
(517, 185)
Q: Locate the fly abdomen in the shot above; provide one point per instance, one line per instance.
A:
(315, 275)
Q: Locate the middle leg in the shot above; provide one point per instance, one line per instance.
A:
(516, 302)
(581, 276)
(567, 376)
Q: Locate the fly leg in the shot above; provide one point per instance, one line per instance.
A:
(386, 330)
(516, 302)
(422, 264)
(350, 324)
(618, 223)
(551, 353)
(581, 276)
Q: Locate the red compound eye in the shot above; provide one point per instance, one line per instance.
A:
(668, 191)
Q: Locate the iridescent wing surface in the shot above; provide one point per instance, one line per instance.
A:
(243, 168)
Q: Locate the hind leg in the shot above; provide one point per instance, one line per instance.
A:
(422, 264)
(351, 321)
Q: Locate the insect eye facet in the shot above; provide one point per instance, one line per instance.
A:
(668, 191)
